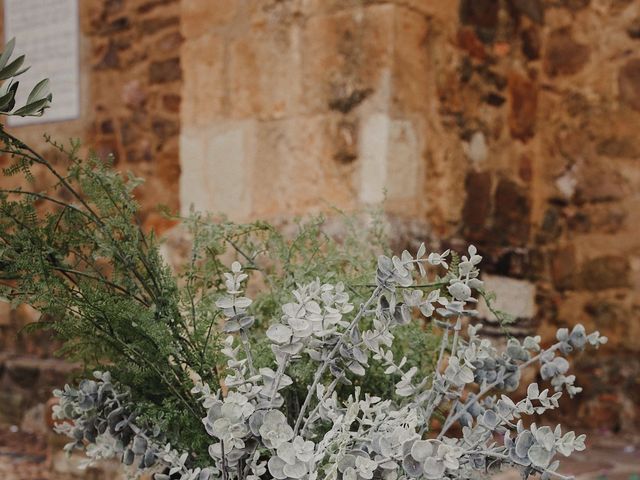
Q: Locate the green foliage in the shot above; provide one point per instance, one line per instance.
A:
(76, 252)
(38, 100)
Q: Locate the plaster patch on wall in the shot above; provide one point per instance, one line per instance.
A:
(214, 165)
(374, 149)
(404, 162)
(513, 296)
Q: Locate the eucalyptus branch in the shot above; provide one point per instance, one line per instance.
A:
(488, 388)
(318, 375)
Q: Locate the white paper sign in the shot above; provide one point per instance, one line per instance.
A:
(46, 31)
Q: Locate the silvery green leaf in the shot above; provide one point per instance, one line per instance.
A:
(205, 474)
(561, 364)
(466, 419)
(532, 343)
(346, 461)
(231, 326)
(356, 368)
(562, 334)
(427, 309)
(291, 349)
(7, 52)
(533, 391)
(297, 470)
(524, 441)
(566, 348)
(540, 456)
(8, 96)
(39, 92)
(433, 468)
(544, 436)
(287, 453)
(490, 419)
(578, 337)
(402, 315)
(276, 468)
(404, 390)
(359, 355)
(512, 381)
(149, 459)
(225, 302)
(421, 449)
(516, 351)
(385, 265)
(242, 302)
(247, 321)
(412, 467)
(548, 370)
(13, 69)
(398, 264)
(279, 333)
(565, 444)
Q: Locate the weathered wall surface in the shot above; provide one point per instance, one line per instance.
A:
(509, 123)
(289, 107)
(512, 124)
(542, 99)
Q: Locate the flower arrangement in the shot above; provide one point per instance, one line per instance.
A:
(365, 436)
(331, 368)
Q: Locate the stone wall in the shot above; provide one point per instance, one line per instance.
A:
(508, 123)
(543, 100)
(289, 107)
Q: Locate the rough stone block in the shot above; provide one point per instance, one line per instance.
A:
(200, 16)
(442, 9)
(477, 206)
(598, 181)
(153, 25)
(295, 171)
(204, 84)
(564, 55)
(405, 162)
(512, 210)
(564, 267)
(374, 157)
(515, 297)
(23, 373)
(345, 53)
(165, 71)
(523, 104)
(13, 404)
(264, 69)
(34, 420)
(412, 82)
(629, 84)
(610, 271)
(214, 165)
